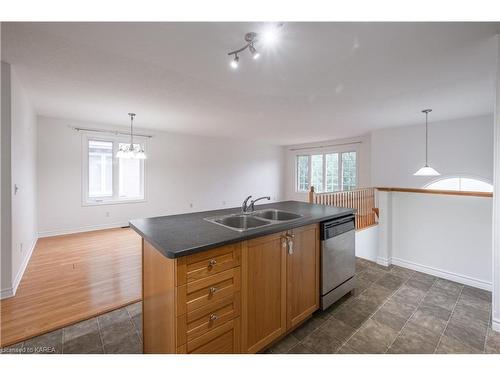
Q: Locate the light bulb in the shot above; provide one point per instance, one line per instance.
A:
(234, 63)
(269, 37)
(254, 52)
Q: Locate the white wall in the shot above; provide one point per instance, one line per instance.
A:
(367, 243)
(19, 210)
(359, 144)
(496, 203)
(445, 235)
(24, 176)
(6, 212)
(457, 147)
(181, 170)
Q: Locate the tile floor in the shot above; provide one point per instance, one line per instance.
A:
(393, 310)
(397, 310)
(116, 332)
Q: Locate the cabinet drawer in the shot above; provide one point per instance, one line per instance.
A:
(207, 263)
(199, 293)
(207, 318)
(225, 339)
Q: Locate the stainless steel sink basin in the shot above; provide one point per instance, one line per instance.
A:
(276, 215)
(257, 219)
(239, 222)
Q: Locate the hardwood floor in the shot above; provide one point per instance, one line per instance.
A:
(72, 278)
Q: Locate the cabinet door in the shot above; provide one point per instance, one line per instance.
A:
(303, 268)
(263, 291)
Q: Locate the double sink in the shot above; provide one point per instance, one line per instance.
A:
(257, 219)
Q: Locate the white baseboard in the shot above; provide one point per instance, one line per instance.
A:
(11, 292)
(495, 325)
(88, 228)
(383, 261)
(6, 293)
(462, 279)
(24, 264)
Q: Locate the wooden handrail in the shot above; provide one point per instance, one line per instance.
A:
(444, 192)
(362, 200)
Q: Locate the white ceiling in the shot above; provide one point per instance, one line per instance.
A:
(322, 81)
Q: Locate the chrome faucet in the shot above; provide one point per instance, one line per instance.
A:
(252, 203)
(246, 208)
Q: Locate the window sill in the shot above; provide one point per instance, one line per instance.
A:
(111, 202)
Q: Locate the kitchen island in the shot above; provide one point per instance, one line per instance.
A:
(211, 289)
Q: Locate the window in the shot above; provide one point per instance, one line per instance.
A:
(348, 170)
(108, 179)
(100, 169)
(303, 172)
(327, 172)
(460, 184)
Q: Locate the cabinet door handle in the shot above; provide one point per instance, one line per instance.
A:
(290, 246)
(212, 262)
(212, 290)
(213, 317)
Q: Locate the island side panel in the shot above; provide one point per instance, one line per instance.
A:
(158, 301)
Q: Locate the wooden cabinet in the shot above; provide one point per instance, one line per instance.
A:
(192, 304)
(280, 284)
(263, 291)
(302, 274)
(237, 298)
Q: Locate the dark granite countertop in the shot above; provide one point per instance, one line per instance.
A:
(180, 235)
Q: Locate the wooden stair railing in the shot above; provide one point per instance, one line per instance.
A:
(362, 200)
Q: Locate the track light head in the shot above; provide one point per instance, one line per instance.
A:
(234, 62)
(270, 35)
(254, 52)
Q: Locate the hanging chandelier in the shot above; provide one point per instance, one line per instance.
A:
(131, 151)
(426, 170)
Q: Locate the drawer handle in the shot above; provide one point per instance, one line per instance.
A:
(212, 290)
(212, 262)
(213, 317)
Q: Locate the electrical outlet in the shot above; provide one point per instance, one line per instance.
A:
(21, 247)
(107, 213)
(191, 205)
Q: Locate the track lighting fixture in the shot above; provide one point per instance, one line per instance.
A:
(268, 37)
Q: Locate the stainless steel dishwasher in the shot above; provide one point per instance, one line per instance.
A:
(338, 262)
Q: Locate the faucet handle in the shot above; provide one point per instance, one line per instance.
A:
(244, 206)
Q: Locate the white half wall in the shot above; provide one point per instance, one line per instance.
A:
(444, 235)
(367, 243)
(183, 174)
(456, 147)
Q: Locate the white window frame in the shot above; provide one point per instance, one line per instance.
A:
(115, 199)
(323, 151)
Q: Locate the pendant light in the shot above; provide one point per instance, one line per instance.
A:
(426, 170)
(131, 151)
